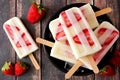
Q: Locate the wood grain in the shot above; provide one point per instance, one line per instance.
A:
(7, 53)
(50, 72)
(79, 1)
(114, 16)
(22, 9)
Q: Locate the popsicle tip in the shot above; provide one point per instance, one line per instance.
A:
(37, 39)
(34, 61)
(109, 9)
(67, 77)
(96, 71)
(103, 11)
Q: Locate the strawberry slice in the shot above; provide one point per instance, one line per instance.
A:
(18, 28)
(76, 39)
(18, 44)
(111, 37)
(90, 41)
(65, 18)
(60, 33)
(101, 31)
(26, 40)
(87, 34)
(9, 30)
(77, 16)
(59, 25)
(67, 42)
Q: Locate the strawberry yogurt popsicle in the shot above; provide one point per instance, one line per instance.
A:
(80, 36)
(89, 15)
(19, 37)
(107, 34)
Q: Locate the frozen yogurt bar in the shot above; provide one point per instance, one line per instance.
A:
(19, 37)
(79, 34)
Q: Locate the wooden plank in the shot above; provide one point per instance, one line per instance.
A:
(89, 77)
(49, 71)
(34, 30)
(100, 4)
(7, 52)
(79, 1)
(114, 16)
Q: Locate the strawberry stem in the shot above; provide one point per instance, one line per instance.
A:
(6, 66)
(32, 1)
(103, 69)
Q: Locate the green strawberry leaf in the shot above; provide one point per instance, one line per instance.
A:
(32, 1)
(6, 66)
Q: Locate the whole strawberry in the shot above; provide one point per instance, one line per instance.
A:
(117, 53)
(115, 60)
(35, 13)
(107, 71)
(20, 68)
(8, 68)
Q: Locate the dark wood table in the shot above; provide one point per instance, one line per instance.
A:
(11, 8)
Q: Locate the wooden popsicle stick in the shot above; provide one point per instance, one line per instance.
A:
(93, 64)
(33, 60)
(73, 69)
(103, 11)
(79, 63)
(45, 42)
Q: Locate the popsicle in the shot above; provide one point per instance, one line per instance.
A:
(80, 36)
(107, 34)
(20, 39)
(89, 15)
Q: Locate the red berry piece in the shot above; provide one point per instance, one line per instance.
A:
(8, 68)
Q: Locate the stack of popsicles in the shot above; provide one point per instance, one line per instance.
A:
(81, 46)
(59, 35)
(75, 39)
(79, 36)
